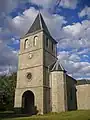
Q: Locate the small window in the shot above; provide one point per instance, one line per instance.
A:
(71, 94)
(35, 40)
(52, 46)
(47, 42)
(26, 45)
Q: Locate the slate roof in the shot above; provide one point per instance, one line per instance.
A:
(38, 24)
(56, 66)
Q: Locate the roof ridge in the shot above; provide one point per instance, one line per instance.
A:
(38, 24)
(57, 66)
(40, 20)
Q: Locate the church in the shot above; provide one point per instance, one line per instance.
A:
(43, 85)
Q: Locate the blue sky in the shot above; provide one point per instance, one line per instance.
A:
(68, 22)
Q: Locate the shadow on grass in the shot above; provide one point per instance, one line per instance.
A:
(12, 114)
(17, 112)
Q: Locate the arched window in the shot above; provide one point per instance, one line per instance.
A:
(26, 44)
(35, 40)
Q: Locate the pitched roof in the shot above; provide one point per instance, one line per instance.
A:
(56, 66)
(38, 24)
(83, 82)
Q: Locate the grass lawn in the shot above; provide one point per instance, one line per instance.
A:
(72, 115)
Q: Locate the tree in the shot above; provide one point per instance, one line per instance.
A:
(7, 90)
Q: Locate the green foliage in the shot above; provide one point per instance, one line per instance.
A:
(7, 91)
(72, 115)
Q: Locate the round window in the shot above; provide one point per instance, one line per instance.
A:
(29, 75)
(30, 55)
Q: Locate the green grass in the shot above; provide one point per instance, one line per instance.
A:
(72, 115)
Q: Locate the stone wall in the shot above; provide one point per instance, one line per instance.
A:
(37, 65)
(83, 96)
(71, 93)
(57, 85)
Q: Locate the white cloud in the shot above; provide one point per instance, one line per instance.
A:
(22, 23)
(15, 41)
(76, 35)
(74, 58)
(73, 65)
(74, 29)
(84, 51)
(44, 3)
(7, 6)
(85, 12)
(71, 4)
(85, 56)
(8, 59)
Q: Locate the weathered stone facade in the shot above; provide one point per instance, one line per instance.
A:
(35, 60)
(58, 96)
(83, 94)
(42, 83)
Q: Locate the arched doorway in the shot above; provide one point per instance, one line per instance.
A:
(28, 102)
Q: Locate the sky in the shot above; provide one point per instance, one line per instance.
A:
(68, 22)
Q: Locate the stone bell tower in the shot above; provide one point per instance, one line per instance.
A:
(37, 52)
